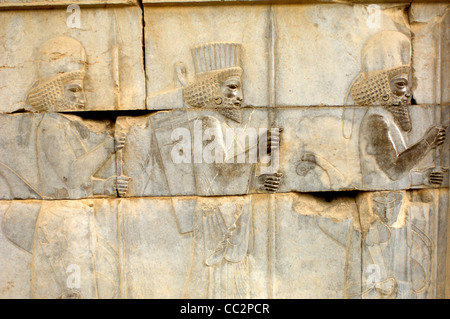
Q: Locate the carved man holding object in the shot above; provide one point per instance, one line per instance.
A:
(70, 154)
(386, 163)
(222, 226)
(218, 87)
(62, 64)
(386, 62)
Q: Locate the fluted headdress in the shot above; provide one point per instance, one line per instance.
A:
(214, 63)
(216, 56)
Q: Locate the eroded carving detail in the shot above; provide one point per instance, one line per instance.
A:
(396, 244)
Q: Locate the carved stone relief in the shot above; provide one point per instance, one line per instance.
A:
(27, 4)
(59, 156)
(246, 150)
(228, 247)
(112, 64)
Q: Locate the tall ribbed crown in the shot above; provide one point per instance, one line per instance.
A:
(216, 56)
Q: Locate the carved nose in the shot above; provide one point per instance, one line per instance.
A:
(82, 98)
(240, 96)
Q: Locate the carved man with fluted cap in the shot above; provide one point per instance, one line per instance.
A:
(222, 226)
(386, 164)
(218, 88)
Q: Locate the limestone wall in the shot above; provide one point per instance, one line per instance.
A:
(224, 149)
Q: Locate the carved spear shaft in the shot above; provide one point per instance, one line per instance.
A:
(272, 124)
(116, 41)
(440, 114)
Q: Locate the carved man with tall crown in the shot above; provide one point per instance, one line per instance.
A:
(222, 226)
(217, 82)
(386, 162)
(217, 90)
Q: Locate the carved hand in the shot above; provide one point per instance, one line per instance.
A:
(109, 144)
(122, 185)
(273, 140)
(272, 182)
(435, 136)
(119, 141)
(116, 184)
(436, 178)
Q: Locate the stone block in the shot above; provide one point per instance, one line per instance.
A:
(58, 67)
(170, 153)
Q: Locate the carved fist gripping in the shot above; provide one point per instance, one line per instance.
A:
(119, 141)
(435, 136)
(117, 185)
(271, 182)
(273, 140)
(122, 185)
(436, 178)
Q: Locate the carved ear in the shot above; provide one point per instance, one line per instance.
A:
(218, 100)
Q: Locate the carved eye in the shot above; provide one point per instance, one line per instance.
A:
(74, 89)
(401, 85)
(232, 86)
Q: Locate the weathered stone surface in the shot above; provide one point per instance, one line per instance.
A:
(431, 44)
(399, 248)
(56, 156)
(15, 262)
(254, 246)
(277, 61)
(240, 24)
(293, 149)
(271, 1)
(314, 155)
(337, 34)
(133, 248)
(27, 4)
(103, 56)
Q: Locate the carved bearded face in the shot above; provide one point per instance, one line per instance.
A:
(231, 90)
(74, 92)
(220, 90)
(231, 98)
(400, 90)
(62, 92)
(61, 71)
(400, 97)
